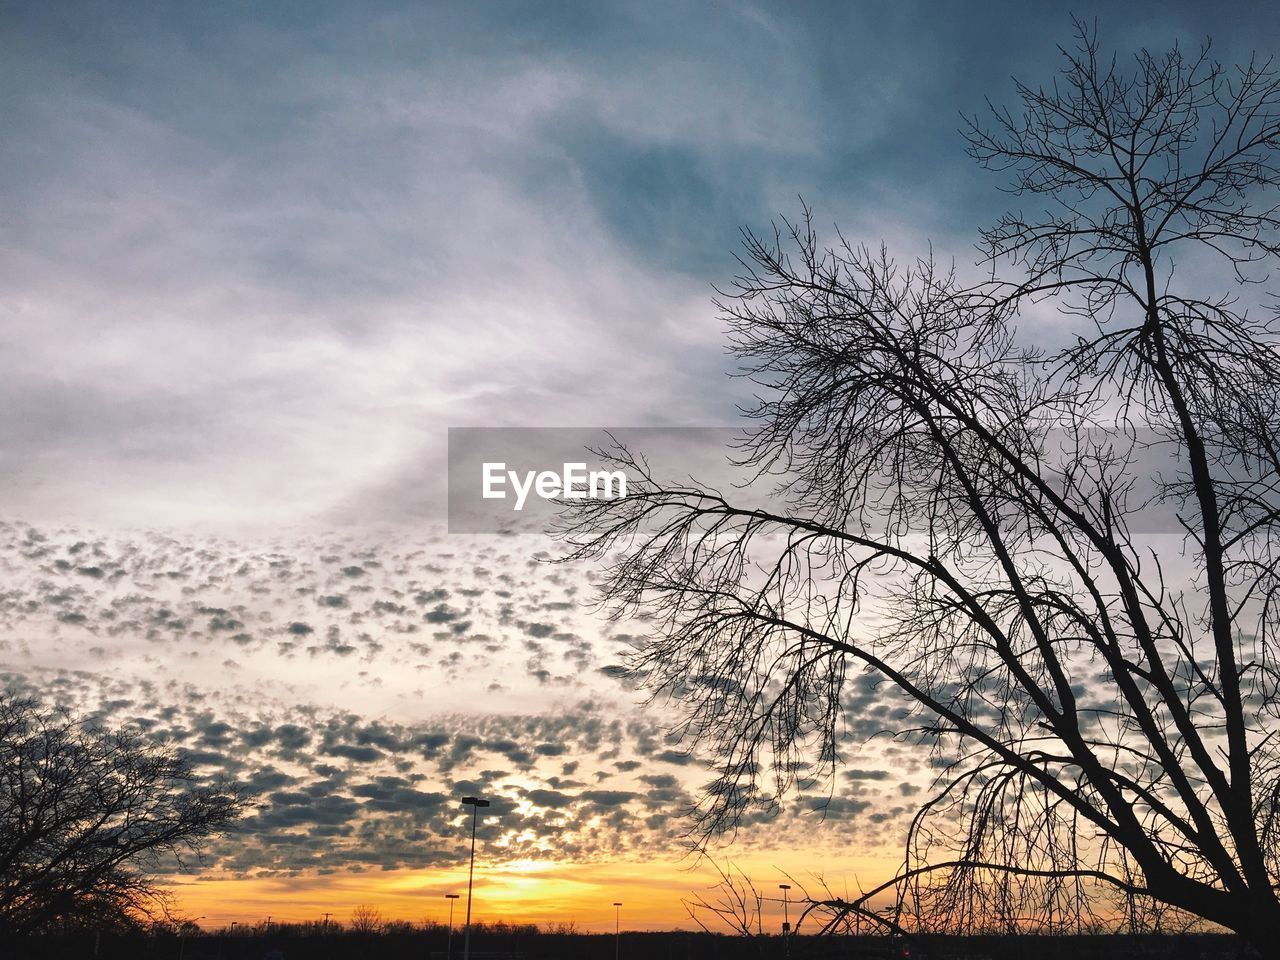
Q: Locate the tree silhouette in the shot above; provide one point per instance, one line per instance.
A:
(366, 919)
(968, 520)
(86, 817)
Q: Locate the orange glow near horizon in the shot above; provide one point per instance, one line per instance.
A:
(538, 892)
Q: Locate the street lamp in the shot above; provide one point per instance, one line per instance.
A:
(617, 927)
(449, 949)
(786, 915)
(475, 803)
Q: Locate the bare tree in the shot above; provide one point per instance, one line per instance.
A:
(964, 517)
(736, 903)
(733, 902)
(562, 928)
(366, 919)
(87, 816)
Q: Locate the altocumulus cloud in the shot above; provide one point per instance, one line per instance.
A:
(362, 768)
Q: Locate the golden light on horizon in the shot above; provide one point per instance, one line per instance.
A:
(521, 891)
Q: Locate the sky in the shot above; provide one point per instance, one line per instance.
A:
(258, 258)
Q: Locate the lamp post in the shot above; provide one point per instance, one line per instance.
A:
(449, 949)
(475, 803)
(617, 927)
(786, 916)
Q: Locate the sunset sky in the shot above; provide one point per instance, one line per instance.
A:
(258, 258)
